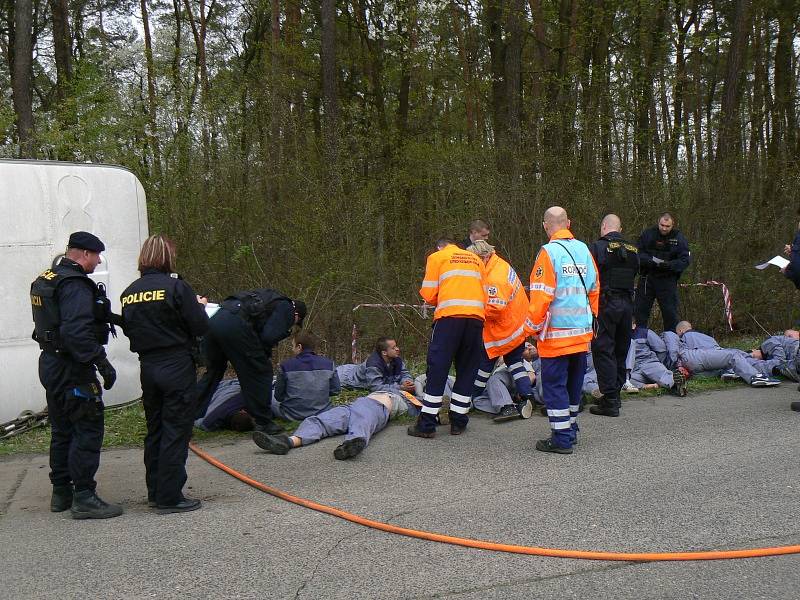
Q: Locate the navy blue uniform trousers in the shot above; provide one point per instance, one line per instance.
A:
(458, 339)
(74, 446)
(610, 345)
(169, 400)
(663, 289)
(562, 385)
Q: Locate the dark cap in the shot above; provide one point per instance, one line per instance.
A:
(300, 309)
(83, 240)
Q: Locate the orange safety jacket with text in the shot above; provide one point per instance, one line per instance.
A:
(454, 283)
(506, 308)
(560, 313)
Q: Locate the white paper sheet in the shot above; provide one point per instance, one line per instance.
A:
(211, 309)
(778, 261)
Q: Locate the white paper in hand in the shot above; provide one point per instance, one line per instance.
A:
(778, 261)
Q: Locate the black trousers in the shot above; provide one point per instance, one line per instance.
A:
(74, 446)
(610, 346)
(663, 289)
(169, 400)
(231, 338)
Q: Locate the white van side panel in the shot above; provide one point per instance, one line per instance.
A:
(43, 202)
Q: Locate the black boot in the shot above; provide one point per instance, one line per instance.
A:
(61, 499)
(417, 430)
(350, 448)
(606, 407)
(185, 505)
(88, 505)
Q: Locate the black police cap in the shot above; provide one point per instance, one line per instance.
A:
(84, 240)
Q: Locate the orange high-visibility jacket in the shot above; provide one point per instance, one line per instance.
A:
(506, 308)
(557, 297)
(454, 283)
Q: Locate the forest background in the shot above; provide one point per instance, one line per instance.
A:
(321, 147)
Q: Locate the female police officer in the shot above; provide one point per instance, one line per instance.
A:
(162, 317)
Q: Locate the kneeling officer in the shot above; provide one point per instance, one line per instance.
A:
(72, 319)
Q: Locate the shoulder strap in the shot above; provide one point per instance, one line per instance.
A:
(583, 283)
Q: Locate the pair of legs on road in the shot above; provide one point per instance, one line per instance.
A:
(358, 422)
(562, 385)
(75, 411)
(459, 340)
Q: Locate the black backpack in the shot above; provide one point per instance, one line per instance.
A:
(257, 305)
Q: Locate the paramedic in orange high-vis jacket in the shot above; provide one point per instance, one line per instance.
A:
(564, 294)
(454, 284)
(504, 331)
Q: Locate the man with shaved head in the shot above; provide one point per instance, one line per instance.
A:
(618, 262)
(564, 295)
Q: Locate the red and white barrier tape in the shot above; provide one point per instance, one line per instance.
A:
(726, 297)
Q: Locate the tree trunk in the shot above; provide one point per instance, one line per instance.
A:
(152, 134)
(62, 47)
(330, 97)
(729, 145)
(23, 76)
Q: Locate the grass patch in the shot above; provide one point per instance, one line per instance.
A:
(125, 427)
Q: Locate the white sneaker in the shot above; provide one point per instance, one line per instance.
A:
(629, 387)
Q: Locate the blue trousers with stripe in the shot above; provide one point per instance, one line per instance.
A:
(459, 340)
(516, 368)
(562, 383)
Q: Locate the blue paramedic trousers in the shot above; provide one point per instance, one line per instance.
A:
(458, 339)
(562, 382)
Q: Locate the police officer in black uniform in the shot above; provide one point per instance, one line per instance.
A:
(617, 262)
(244, 331)
(163, 317)
(663, 256)
(72, 320)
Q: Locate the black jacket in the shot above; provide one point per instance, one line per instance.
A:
(161, 312)
(672, 248)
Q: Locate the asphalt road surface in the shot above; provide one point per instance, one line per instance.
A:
(708, 472)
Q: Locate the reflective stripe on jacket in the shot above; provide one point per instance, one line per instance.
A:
(506, 308)
(558, 300)
(454, 283)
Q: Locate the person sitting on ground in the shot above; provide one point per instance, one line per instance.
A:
(305, 382)
(358, 422)
(226, 409)
(777, 355)
(383, 370)
(698, 352)
(497, 397)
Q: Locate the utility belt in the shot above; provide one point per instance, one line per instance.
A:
(48, 342)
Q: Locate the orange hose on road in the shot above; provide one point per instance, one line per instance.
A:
(494, 546)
